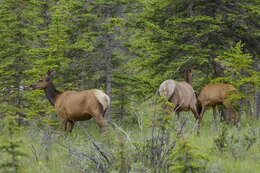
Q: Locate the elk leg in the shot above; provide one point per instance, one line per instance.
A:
(101, 126)
(231, 112)
(200, 118)
(195, 113)
(223, 115)
(178, 115)
(104, 113)
(98, 115)
(71, 125)
(100, 122)
(65, 122)
(228, 108)
(214, 114)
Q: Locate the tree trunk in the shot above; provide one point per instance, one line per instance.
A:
(219, 72)
(47, 140)
(108, 57)
(19, 66)
(218, 69)
(18, 96)
(257, 96)
(240, 110)
(249, 112)
(257, 103)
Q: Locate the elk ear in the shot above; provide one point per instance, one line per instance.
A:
(48, 72)
(50, 75)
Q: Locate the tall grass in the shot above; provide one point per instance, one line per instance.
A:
(58, 153)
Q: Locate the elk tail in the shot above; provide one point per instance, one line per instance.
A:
(167, 88)
(103, 99)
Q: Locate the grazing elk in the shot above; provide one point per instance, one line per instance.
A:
(181, 95)
(73, 106)
(215, 94)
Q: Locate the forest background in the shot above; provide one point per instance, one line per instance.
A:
(128, 48)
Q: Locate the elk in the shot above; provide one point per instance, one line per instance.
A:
(181, 95)
(73, 106)
(215, 94)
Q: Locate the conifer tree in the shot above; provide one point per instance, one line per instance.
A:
(174, 34)
(48, 52)
(185, 158)
(17, 25)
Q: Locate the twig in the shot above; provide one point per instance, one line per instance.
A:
(35, 153)
(140, 122)
(182, 126)
(193, 128)
(79, 154)
(97, 147)
(154, 113)
(188, 58)
(172, 146)
(127, 136)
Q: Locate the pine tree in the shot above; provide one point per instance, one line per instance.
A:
(49, 51)
(171, 35)
(239, 71)
(17, 26)
(10, 148)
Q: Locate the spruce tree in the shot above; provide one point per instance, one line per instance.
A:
(17, 26)
(171, 35)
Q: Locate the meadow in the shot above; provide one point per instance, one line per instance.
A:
(126, 147)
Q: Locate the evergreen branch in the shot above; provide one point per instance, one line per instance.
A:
(127, 136)
(97, 147)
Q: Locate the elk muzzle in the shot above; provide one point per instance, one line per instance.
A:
(33, 86)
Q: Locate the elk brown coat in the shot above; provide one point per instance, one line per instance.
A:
(81, 105)
(181, 94)
(73, 106)
(215, 94)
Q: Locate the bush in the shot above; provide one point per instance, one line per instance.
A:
(185, 158)
(235, 142)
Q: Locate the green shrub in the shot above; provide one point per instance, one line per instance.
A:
(185, 158)
(235, 142)
(221, 140)
(10, 148)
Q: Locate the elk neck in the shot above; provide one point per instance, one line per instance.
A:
(188, 77)
(51, 93)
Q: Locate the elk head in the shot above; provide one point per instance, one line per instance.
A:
(43, 82)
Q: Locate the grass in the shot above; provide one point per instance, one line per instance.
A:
(63, 159)
(247, 161)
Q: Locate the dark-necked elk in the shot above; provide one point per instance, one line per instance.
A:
(181, 95)
(73, 106)
(215, 94)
